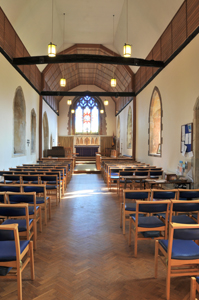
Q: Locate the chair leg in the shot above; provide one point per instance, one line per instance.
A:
(130, 225)
(168, 283)
(32, 261)
(124, 220)
(40, 220)
(34, 234)
(49, 208)
(19, 283)
(121, 212)
(193, 289)
(45, 214)
(156, 258)
(136, 243)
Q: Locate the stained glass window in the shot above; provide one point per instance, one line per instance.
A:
(86, 115)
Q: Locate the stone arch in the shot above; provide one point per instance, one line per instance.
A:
(155, 124)
(33, 131)
(19, 110)
(45, 134)
(129, 129)
(196, 143)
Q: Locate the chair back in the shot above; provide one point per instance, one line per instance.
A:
(152, 207)
(188, 194)
(163, 194)
(2, 197)
(16, 188)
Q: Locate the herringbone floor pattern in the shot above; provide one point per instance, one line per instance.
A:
(83, 255)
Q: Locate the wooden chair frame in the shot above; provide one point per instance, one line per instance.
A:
(22, 259)
(137, 230)
(175, 267)
(124, 214)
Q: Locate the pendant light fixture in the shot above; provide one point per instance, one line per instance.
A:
(72, 111)
(127, 47)
(69, 102)
(51, 46)
(106, 102)
(113, 80)
(101, 111)
(63, 80)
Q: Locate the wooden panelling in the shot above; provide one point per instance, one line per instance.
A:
(166, 43)
(26, 68)
(157, 53)
(142, 75)
(137, 81)
(9, 43)
(66, 141)
(192, 15)
(179, 34)
(105, 142)
(2, 28)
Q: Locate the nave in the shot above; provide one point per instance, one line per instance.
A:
(82, 253)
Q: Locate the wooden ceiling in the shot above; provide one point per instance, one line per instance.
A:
(87, 73)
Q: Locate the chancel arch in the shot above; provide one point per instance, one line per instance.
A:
(155, 124)
(19, 109)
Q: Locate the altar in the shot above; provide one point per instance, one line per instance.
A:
(87, 150)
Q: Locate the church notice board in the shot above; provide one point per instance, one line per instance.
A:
(187, 139)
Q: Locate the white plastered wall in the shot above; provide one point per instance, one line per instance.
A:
(52, 125)
(64, 108)
(179, 89)
(123, 129)
(10, 79)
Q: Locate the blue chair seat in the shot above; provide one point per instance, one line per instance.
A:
(22, 223)
(183, 219)
(130, 206)
(151, 234)
(31, 209)
(40, 200)
(8, 251)
(4, 270)
(114, 177)
(148, 222)
(51, 187)
(127, 181)
(182, 249)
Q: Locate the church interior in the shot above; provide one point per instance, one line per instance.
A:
(90, 89)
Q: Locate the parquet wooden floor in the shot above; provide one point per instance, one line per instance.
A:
(83, 255)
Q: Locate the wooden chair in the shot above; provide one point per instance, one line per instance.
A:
(41, 198)
(179, 253)
(14, 255)
(194, 287)
(149, 226)
(52, 186)
(19, 214)
(30, 198)
(128, 206)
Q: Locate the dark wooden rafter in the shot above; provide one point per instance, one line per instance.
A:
(86, 58)
(88, 93)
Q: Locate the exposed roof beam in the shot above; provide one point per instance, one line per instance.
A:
(88, 93)
(86, 58)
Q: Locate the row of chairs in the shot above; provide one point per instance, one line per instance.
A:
(149, 214)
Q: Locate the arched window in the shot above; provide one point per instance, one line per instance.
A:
(33, 131)
(86, 115)
(155, 124)
(19, 122)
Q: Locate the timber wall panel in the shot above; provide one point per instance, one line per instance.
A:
(179, 28)
(157, 53)
(2, 28)
(192, 15)
(166, 43)
(9, 43)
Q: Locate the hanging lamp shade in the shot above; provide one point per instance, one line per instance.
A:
(101, 111)
(69, 102)
(51, 50)
(72, 111)
(127, 50)
(106, 102)
(62, 82)
(113, 82)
